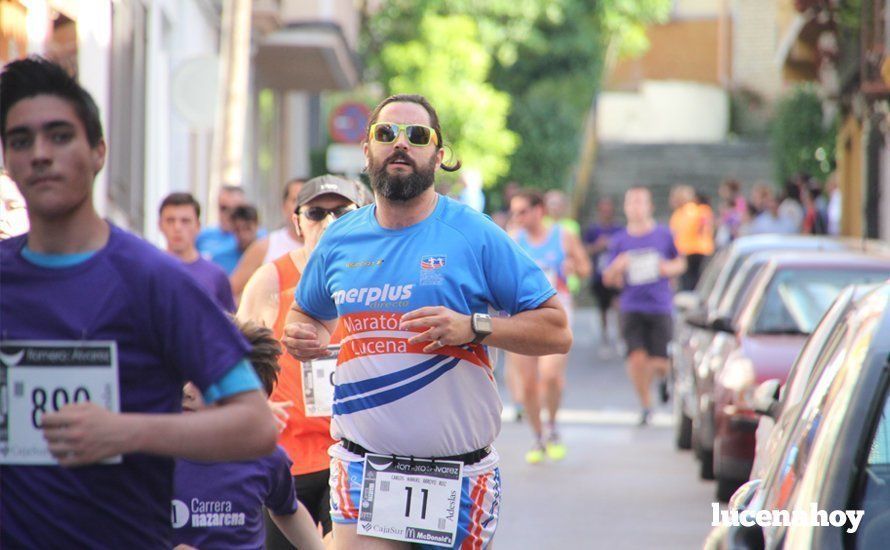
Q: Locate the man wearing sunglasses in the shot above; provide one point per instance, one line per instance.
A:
(410, 281)
(219, 243)
(266, 301)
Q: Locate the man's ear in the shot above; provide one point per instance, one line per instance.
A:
(98, 153)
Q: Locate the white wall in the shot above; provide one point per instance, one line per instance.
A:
(664, 112)
(176, 153)
(94, 73)
(189, 146)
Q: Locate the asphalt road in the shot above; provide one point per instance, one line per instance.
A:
(621, 486)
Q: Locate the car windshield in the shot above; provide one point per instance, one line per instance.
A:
(796, 299)
(733, 298)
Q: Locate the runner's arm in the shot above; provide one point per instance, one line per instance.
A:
(580, 261)
(540, 331)
(259, 302)
(613, 275)
(305, 337)
(240, 427)
(673, 268)
(250, 261)
(299, 529)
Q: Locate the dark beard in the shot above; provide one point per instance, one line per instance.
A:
(401, 187)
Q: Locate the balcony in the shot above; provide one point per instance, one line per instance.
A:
(306, 45)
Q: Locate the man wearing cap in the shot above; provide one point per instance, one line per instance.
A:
(266, 300)
(409, 281)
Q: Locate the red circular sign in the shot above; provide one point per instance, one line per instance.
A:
(348, 121)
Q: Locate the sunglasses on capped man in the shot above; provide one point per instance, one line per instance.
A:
(317, 213)
(417, 134)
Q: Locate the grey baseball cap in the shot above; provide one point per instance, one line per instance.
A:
(328, 185)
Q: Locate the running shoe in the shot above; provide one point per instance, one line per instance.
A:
(519, 412)
(644, 417)
(556, 449)
(536, 455)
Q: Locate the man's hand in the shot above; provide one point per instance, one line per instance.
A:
(444, 327)
(279, 411)
(84, 433)
(301, 341)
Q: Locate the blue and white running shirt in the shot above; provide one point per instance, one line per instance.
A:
(390, 396)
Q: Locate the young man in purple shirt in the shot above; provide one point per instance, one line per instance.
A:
(220, 504)
(597, 237)
(642, 260)
(179, 219)
(98, 331)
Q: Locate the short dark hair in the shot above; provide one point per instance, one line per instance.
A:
(290, 183)
(534, 198)
(246, 213)
(180, 199)
(35, 76)
(264, 352)
(434, 121)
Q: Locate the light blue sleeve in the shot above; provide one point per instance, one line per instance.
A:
(239, 379)
(312, 294)
(515, 281)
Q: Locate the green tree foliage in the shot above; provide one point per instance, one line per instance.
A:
(801, 142)
(540, 61)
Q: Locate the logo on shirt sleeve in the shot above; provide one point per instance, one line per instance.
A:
(431, 269)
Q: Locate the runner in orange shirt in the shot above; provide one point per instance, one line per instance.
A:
(692, 225)
(266, 300)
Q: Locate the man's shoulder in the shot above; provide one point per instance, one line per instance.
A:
(468, 221)
(138, 260)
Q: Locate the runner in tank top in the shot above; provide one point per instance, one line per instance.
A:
(559, 253)
(305, 436)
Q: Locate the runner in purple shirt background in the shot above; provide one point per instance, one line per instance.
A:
(179, 220)
(220, 505)
(643, 259)
(597, 237)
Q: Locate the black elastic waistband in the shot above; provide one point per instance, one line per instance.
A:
(467, 458)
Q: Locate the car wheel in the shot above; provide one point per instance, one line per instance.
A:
(726, 488)
(683, 431)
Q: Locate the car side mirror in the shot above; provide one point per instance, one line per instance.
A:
(686, 301)
(744, 494)
(766, 398)
(723, 324)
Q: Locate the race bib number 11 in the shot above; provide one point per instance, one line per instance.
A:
(410, 500)
(39, 377)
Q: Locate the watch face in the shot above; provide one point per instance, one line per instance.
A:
(482, 323)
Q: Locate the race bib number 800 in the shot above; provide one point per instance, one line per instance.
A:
(40, 377)
(410, 500)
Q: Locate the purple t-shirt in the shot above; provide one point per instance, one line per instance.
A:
(644, 293)
(220, 505)
(592, 234)
(168, 330)
(212, 278)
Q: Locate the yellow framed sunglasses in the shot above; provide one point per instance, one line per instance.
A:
(417, 134)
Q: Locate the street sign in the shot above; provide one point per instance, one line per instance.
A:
(348, 121)
(345, 158)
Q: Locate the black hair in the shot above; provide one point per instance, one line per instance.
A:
(27, 78)
(180, 199)
(245, 212)
(434, 121)
(535, 198)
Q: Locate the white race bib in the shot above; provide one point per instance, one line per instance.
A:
(642, 266)
(318, 384)
(411, 500)
(39, 377)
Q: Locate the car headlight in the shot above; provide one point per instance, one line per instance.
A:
(738, 374)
